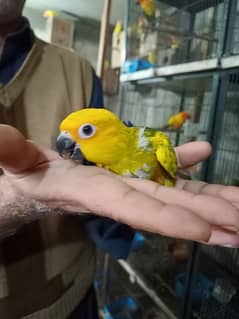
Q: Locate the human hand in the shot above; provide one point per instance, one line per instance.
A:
(191, 210)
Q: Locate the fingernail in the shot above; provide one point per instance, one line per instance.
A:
(228, 246)
(224, 238)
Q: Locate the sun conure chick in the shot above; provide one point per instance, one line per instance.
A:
(176, 121)
(100, 137)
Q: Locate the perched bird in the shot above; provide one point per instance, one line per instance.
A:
(175, 42)
(141, 27)
(176, 121)
(149, 8)
(99, 136)
(118, 30)
(118, 27)
(50, 13)
(152, 57)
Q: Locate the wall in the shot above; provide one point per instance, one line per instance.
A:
(86, 36)
(87, 33)
(86, 8)
(37, 21)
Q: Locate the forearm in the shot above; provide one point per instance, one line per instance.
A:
(15, 209)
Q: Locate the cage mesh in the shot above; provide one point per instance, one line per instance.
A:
(235, 38)
(226, 167)
(181, 31)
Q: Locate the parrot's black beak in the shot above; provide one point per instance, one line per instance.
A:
(67, 148)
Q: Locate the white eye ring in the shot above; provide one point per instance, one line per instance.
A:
(86, 130)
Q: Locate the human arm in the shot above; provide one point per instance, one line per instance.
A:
(15, 209)
(43, 176)
(9, 220)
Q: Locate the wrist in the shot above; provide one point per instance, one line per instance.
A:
(8, 193)
(16, 209)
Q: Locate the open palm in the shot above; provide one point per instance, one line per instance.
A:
(192, 210)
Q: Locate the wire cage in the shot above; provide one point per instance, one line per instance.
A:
(151, 104)
(234, 46)
(184, 31)
(162, 265)
(221, 265)
(177, 32)
(221, 268)
(119, 295)
(224, 168)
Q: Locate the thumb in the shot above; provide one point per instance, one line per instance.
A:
(16, 153)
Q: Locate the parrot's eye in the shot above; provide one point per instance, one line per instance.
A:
(86, 131)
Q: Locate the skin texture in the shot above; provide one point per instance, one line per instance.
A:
(192, 210)
(10, 18)
(10, 10)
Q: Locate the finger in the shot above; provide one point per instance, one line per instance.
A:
(229, 193)
(17, 154)
(50, 154)
(140, 211)
(192, 153)
(209, 208)
(224, 237)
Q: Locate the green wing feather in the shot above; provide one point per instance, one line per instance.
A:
(164, 150)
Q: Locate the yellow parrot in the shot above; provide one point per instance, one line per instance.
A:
(148, 7)
(151, 57)
(175, 42)
(118, 30)
(118, 27)
(50, 13)
(100, 137)
(176, 121)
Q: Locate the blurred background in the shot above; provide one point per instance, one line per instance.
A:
(85, 15)
(156, 60)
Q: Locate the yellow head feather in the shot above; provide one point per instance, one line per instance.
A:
(108, 140)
